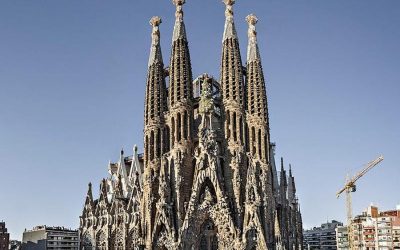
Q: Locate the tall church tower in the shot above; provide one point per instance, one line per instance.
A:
(207, 179)
(232, 94)
(154, 129)
(180, 116)
(258, 127)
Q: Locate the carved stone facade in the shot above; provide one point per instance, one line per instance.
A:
(207, 178)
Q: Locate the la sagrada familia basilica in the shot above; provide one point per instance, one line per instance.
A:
(207, 178)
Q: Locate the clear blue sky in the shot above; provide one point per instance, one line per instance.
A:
(73, 74)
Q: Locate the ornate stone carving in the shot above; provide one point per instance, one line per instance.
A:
(207, 178)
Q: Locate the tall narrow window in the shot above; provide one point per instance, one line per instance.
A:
(158, 143)
(178, 127)
(147, 148)
(253, 140)
(247, 134)
(234, 121)
(172, 132)
(185, 125)
(228, 124)
(259, 144)
(241, 130)
(266, 147)
(152, 145)
(166, 139)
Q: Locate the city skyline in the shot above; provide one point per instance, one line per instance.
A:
(73, 96)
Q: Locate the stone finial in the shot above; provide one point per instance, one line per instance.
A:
(252, 19)
(155, 21)
(179, 28)
(178, 2)
(229, 7)
(252, 49)
(179, 11)
(229, 2)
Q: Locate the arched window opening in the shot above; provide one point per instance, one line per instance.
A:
(247, 134)
(241, 130)
(253, 140)
(152, 145)
(266, 147)
(158, 143)
(234, 121)
(228, 124)
(178, 127)
(166, 140)
(259, 144)
(172, 132)
(185, 125)
(147, 148)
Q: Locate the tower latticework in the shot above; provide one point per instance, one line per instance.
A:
(207, 178)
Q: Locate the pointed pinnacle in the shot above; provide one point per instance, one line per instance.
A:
(178, 2)
(252, 19)
(229, 2)
(155, 21)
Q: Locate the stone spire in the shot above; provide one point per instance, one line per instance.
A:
(232, 93)
(252, 49)
(156, 99)
(257, 98)
(179, 28)
(135, 170)
(89, 192)
(229, 30)
(155, 51)
(278, 232)
(89, 201)
(273, 170)
(103, 189)
(154, 129)
(89, 195)
(256, 94)
(283, 180)
(119, 192)
(180, 87)
(291, 187)
(231, 63)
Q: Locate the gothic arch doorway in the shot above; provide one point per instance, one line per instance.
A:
(208, 236)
